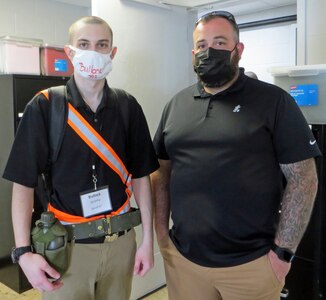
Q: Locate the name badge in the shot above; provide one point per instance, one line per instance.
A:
(96, 201)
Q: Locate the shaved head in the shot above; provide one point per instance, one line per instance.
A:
(88, 20)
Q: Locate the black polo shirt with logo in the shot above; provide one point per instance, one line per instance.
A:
(226, 183)
(72, 172)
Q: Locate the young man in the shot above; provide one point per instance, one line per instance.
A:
(224, 145)
(102, 267)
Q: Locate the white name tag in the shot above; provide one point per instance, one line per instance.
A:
(96, 201)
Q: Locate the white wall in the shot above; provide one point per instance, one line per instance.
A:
(48, 20)
(311, 32)
(267, 47)
(153, 62)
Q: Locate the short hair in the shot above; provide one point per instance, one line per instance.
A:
(88, 20)
(220, 14)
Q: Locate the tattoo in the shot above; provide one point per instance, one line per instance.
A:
(297, 202)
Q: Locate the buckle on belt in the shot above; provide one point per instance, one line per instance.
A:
(101, 227)
(111, 238)
(108, 225)
(105, 226)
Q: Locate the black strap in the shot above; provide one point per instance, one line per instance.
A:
(58, 115)
(58, 119)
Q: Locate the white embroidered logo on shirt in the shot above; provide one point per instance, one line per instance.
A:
(312, 142)
(237, 108)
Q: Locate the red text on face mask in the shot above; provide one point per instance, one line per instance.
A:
(90, 69)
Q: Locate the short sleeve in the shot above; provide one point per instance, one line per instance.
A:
(29, 152)
(142, 160)
(293, 138)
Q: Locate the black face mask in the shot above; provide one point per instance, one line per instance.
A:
(214, 67)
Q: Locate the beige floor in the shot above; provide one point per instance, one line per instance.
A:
(8, 294)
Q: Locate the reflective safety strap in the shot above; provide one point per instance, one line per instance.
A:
(66, 218)
(45, 93)
(91, 137)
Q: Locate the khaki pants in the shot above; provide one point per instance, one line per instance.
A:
(99, 271)
(188, 281)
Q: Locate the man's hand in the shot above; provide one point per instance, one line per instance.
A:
(144, 260)
(280, 268)
(37, 269)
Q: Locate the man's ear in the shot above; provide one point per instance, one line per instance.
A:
(240, 48)
(113, 52)
(193, 53)
(70, 53)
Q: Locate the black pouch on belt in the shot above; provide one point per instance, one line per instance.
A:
(50, 239)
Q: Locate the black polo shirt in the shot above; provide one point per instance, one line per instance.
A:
(72, 172)
(226, 182)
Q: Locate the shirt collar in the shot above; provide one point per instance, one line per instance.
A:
(75, 98)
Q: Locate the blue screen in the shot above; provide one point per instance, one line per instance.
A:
(60, 65)
(305, 94)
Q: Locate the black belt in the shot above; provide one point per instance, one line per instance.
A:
(104, 228)
(102, 239)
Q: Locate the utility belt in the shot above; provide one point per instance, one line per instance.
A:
(50, 236)
(110, 227)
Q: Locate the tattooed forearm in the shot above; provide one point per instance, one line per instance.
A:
(297, 202)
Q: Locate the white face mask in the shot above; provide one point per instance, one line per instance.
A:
(91, 64)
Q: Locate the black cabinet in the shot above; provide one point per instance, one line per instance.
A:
(15, 92)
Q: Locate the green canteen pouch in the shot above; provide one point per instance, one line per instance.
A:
(51, 243)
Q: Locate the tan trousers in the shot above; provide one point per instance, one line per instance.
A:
(99, 271)
(188, 281)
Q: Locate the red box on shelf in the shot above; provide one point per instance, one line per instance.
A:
(54, 61)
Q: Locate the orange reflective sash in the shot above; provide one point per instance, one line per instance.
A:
(66, 218)
(93, 139)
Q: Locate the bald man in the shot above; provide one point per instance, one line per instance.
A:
(101, 161)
